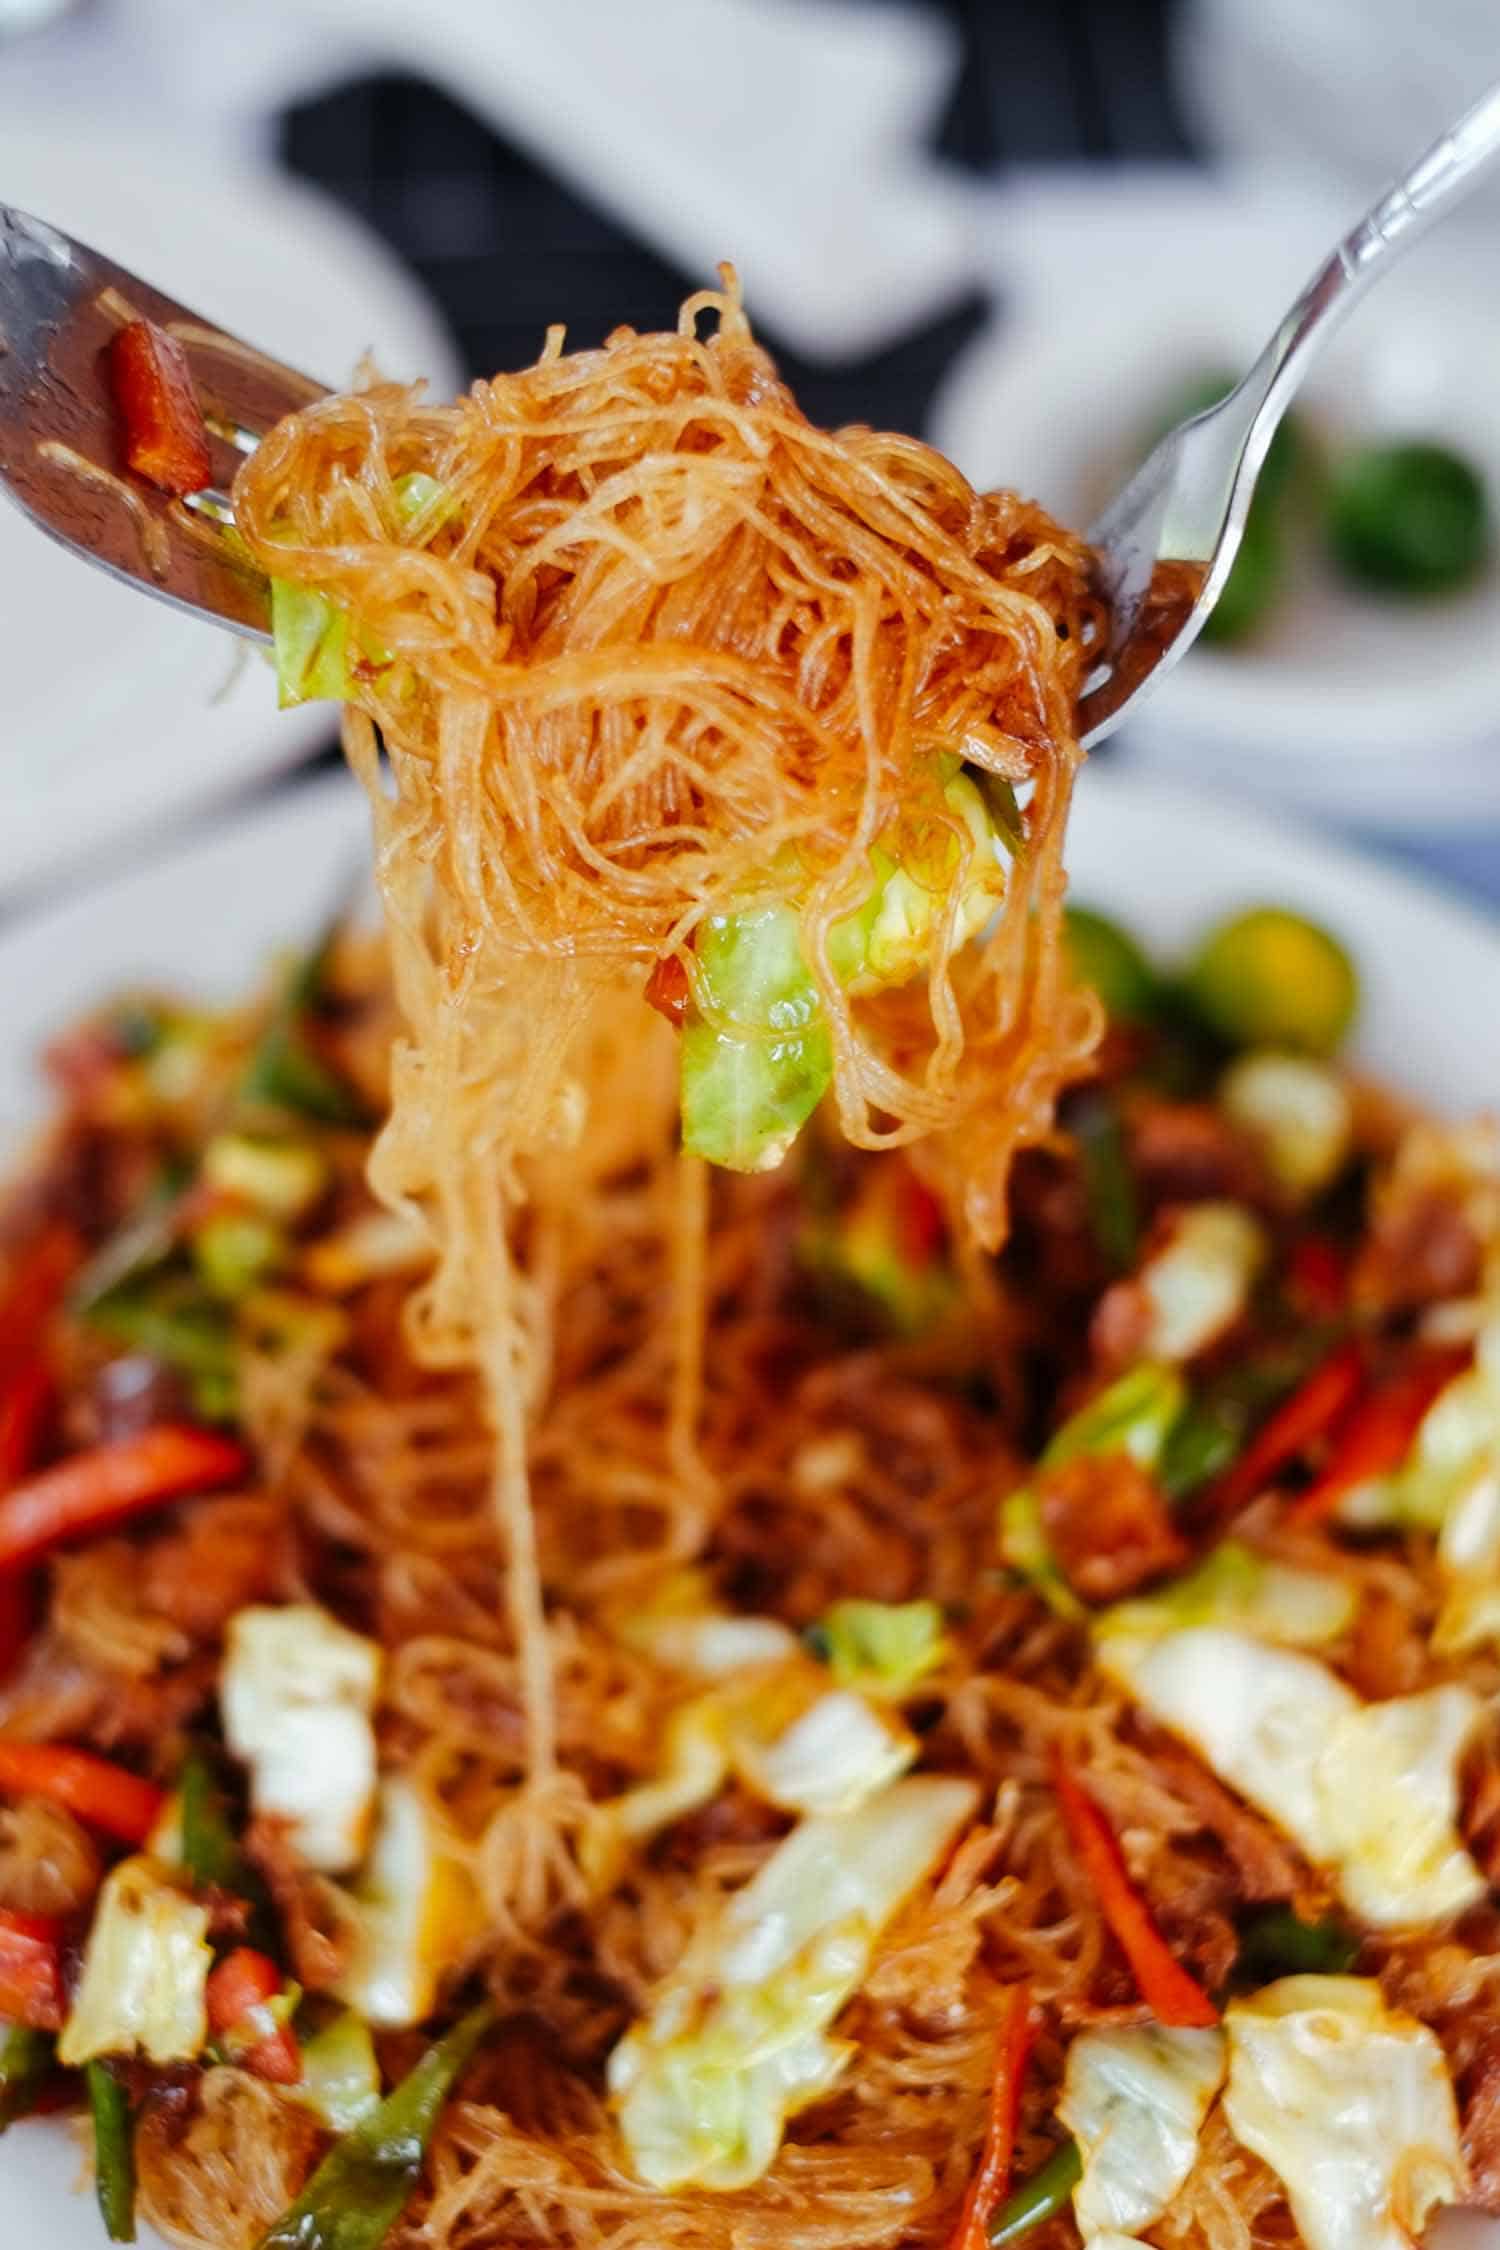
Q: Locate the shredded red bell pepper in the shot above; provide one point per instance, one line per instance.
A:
(95, 1789)
(1310, 1412)
(991, 2182)
(94, 1490)
(1375, 1436)
(31, 1978)
(25, 1408)
(166, 438)
(239, 1987)
(1170, 1991)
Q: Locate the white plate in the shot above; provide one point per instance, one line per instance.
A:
(204, 918)
(117, 713)
(1115, 289)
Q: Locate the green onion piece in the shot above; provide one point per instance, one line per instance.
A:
(1093, 1119)
(1039, 2198)
(210, 1852)
(757, 1060)
(1103, 954)
(1271, 978)
(1133, 1415)
(114, 2152)
(1408, 519)
(362, 2185)
(1202, 1443)
(1003, 807)
(234, 1250)
(26, 2059)
(1276, 1943)
(886, 1647)
(169, 1317)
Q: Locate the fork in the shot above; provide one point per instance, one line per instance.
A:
(1163, 547)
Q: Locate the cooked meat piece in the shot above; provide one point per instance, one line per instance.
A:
(1480, 2096)
(317, 1934)
(1107, 1524)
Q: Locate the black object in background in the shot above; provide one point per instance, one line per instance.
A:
(505, 248)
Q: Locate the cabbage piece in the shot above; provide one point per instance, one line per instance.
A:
(297, 1691)
(1199, 1285)
(889, 939)
(145, 1970)
(415, 1910)
(682, 1626)
(886, 1648)
(757, 1058)
(1233, 1585)
(1370, 1792)
(340, 2080)
(1300, 1112)
(1350, 2104)
(829, 1759)
(1134, 2101)
(311, 642)
(737, 2040)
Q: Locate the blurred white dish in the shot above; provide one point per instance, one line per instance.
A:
(1117, 290)
(204, 919)
(119, 714)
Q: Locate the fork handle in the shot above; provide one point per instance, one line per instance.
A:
(1441, 178)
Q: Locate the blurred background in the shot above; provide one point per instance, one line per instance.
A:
(1035, 234)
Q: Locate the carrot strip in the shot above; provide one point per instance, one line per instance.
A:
(1376, 1434)
(31, 1980)
(240, 1986)
(1312, 1409)
(98, 1791)
(991, 2182)
(166, 438)
(97, 1489)
(1172, 1994)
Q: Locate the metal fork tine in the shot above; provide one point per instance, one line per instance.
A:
(60, 458)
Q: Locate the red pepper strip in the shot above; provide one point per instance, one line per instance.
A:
(1317, 1276)
(31, 1980)
(1173, 1995)
(103, 1794)
(1375, 1436)
(1312, 1409)
(24, 1409)
(239, 1985)
(33, 1293)
(95, 1490)
(991, 2182)
(166, 438)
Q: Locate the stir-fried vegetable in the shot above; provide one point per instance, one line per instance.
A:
(738, 2037)
(1375, 1437)
(93, 1788)
(1300, 1112)
(414, 1910)
(1134, 2100)
(26, 2062)
(885, 1648)
(297, 1692)
(166, 439)
(364, 2182)
(145, 1969)
(756, 1059)
(1270, 978)
(991, 2181)
(1039, 2198)
(340, 2079)
(1308, 1415)
(1235, 1586)
(1173, 1995)
(1198, 1284)
(250, 2006)
(31, 1975)
(1093, 1119)
(285, 1072)
(114, 2150)
(107, 1485)
(1276, 1942)
(1348, 2101)
(1408, 518)
(1133, 1416)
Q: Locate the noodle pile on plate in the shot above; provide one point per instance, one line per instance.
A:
(644, 647)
